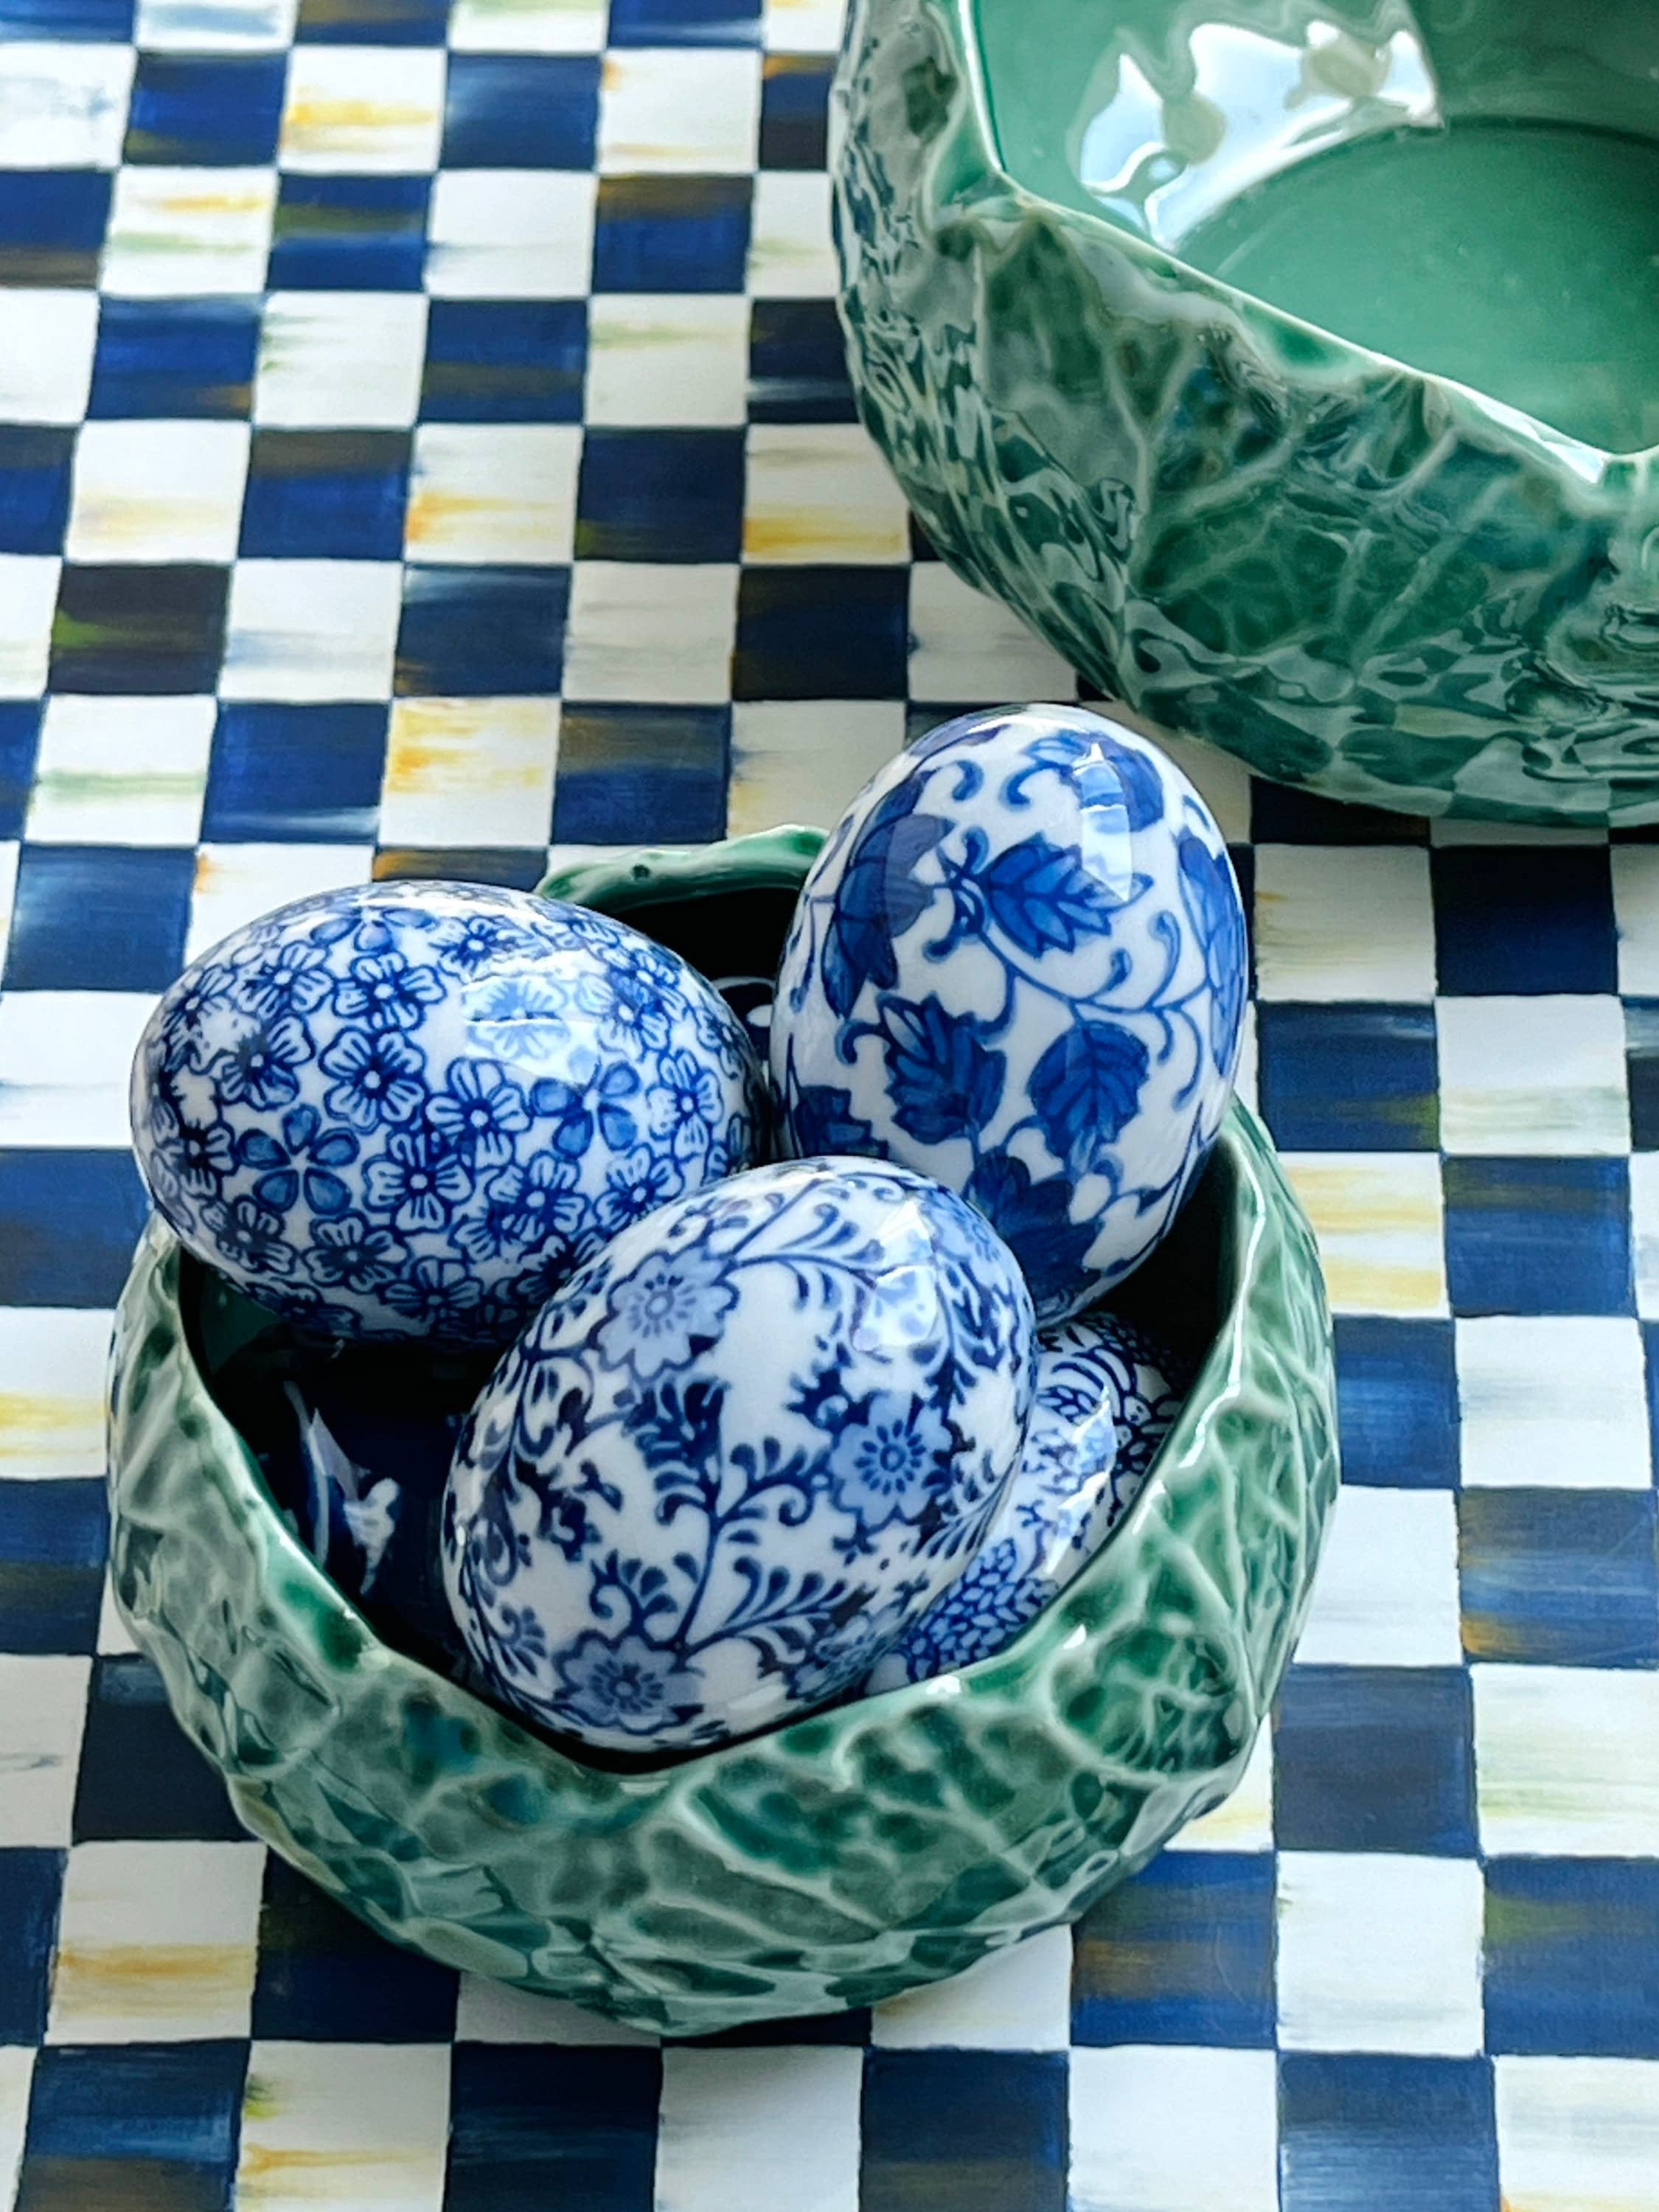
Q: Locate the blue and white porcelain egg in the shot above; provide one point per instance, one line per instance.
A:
(1106, 1396)
(740, 1453)
(1019, 966)
(409, 1110)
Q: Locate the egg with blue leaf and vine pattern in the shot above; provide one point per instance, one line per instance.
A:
(737, 1455)
(413, 1109)
(1107, 1394)
(1019, 966)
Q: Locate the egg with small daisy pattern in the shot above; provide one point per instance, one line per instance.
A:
(414, 1108)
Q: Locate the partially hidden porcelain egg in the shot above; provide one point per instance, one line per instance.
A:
(1106, 1396)
(407, 1109)
(740, 1453)
(1019, 966)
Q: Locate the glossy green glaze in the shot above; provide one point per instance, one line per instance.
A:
(1061, 226)
(840, 1860)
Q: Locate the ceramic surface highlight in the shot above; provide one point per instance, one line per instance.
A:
(1289, 364)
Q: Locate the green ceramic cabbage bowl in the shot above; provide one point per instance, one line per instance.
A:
(841, 1859)
(1291, 365)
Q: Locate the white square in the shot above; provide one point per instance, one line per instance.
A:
(64, 1057)
(1387, 1593)
(47, 340)
(17, 2074)
(28, 595)
(501, 492)
(1644, 1228)
(819, 492)
(1352, 921)
(1533, 1075)
(1380, 1219)
(754, 2130)
(803, 26)
(156, 1942)
(1575, 2134)
(173, 232)
(63, 104)
(510, 233)
(1566, 1761)
(1636, 910)
(680, 110)
(792, 255)
(236, 883)
(339, 361)
(216, 26)
(43, 1709)
(1018, 1999)
(1245, 1821)
(648, 631)
(312, 630)
(10, 849)
(157, 491)
(52, 1390)
(115, 1639)
(676, 358)
(113, 771)
(1379, 1952)
(966, 647)
(469, 772)
(804, 760)
(1558, 1402)
(528, 27)
(356, 2124)
(1221, 780)
(494, 2011)
(1247, 1073)
(362, 110)
(1168, 2128)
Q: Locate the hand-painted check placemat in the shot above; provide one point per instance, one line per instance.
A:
(423, 444)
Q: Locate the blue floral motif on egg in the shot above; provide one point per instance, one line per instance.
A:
(414, 1108)
(1019, 966)
(1106, 1396)
(739, 1453)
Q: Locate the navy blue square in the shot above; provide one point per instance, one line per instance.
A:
(210, 110)
(1280, 814)
(349, 234)
(1538, 1235)
(34, 487)
(798, 363)
(671, 233)
(521, 111)
(481, 632)
(515, 867)
(68, 1221)
(1642, 1072)
(326, 495)
(1560, 1577)
(505, 361)
(373, 23)
(325, 1978)
(143, 629)
(1572, 1957)
(972, 2130)
(795, 111)
(1375, 1758)
(52, 225)
(640, 774)
(685, 23)
(1349, 1078)
(141, 1777)
(96, 20)
(30, 1884)
(822, 633)
(1183, 1953)
(175, 359)
(119, 2127)
(530, 2125)
(660, 495)
(1509, 919)
(295, 774)
(1396, 1388)
(20, 737)
(98, 917)
(1365, 2134)
(54, 1537)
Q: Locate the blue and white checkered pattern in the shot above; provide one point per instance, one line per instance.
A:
(424, 446)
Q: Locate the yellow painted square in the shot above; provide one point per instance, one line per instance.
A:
(493, 492)
(821, 492)
(1379, 1217)
(469, 772)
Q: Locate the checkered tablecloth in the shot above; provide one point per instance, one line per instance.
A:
(424, 446)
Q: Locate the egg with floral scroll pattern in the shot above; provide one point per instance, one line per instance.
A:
(738, 1454)
(1019, 965)
(411, 1109)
